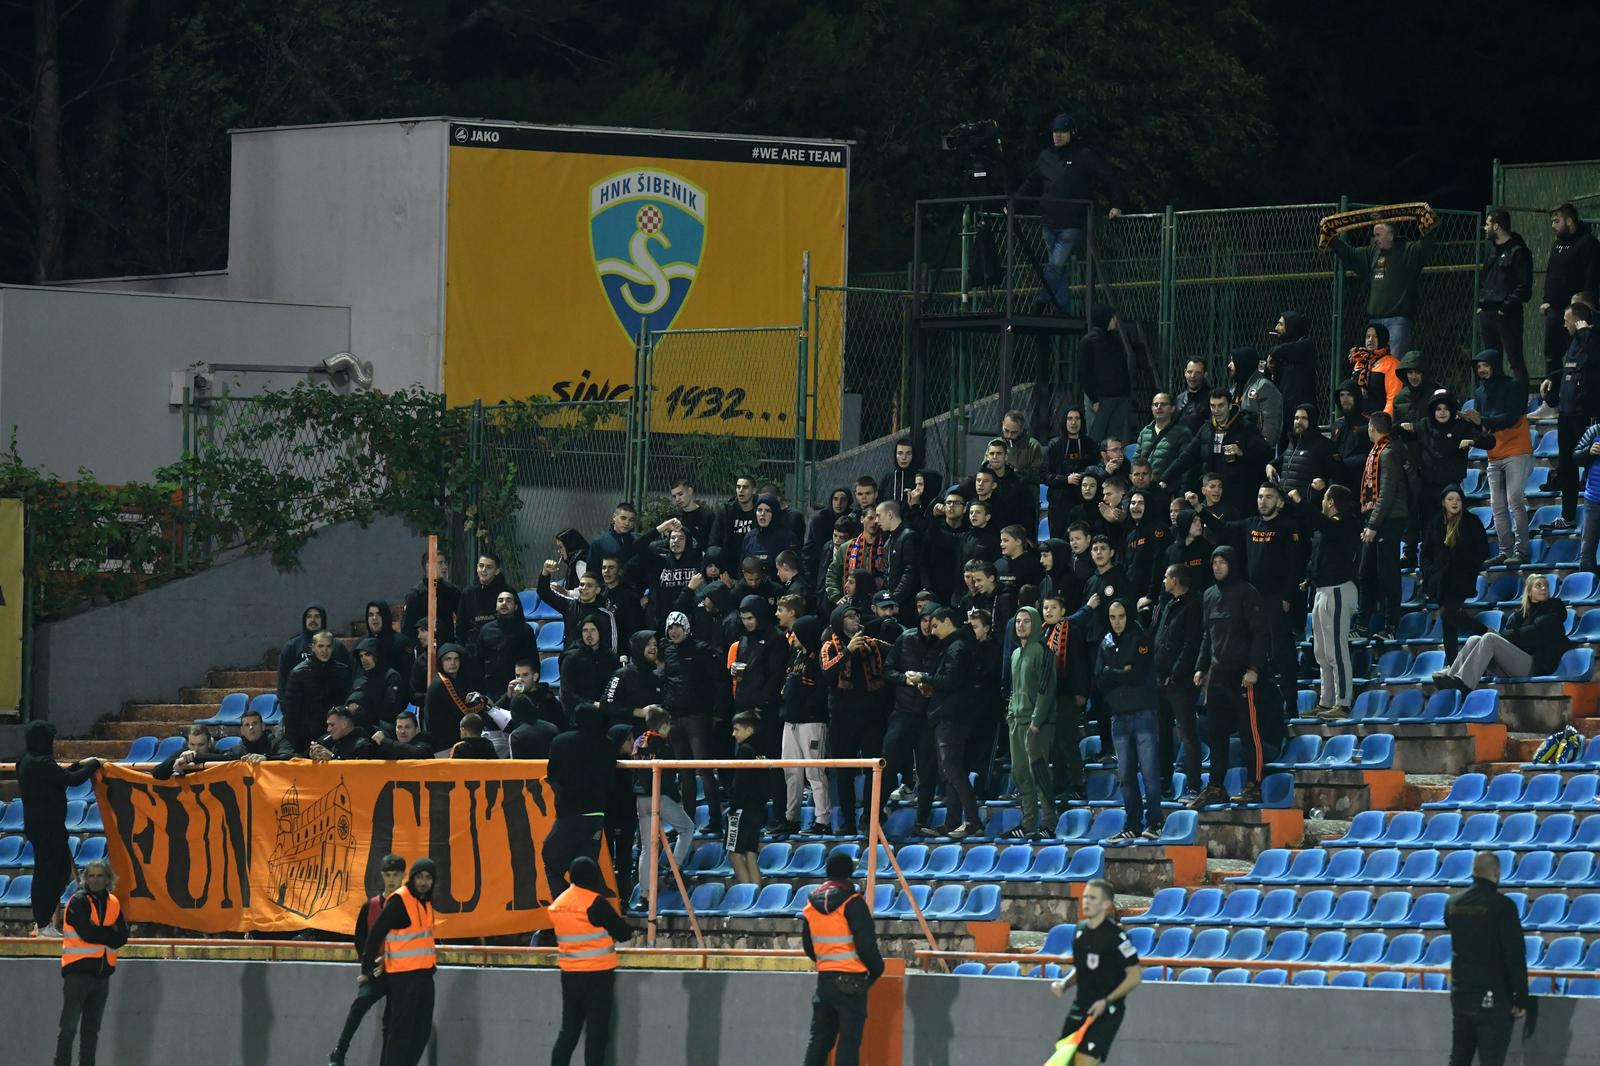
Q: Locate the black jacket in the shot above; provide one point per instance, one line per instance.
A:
(689, 674)
(1437, 447)
(1065, 174)
(1335, 547)
(1578, 380)
(586, 674)
(381, 694)
(353, 745)
(803, 699)
(448, 597)
(1305, 458)
(477, 607)
(667, 577)
(904, 579)
(1350, 440)
(1234, 633)
(582, 763)
(1506, 282)
(1144, 557)
(573, 611)
(1542, 633)
(912, 653)
(765, 655)
(1487, 953)
(1450, 571)
(1274, 553)
(42, 784)
(272, 746)
(1241, 474)
(619, 546)
(1177, 639)
(1573, 267)
(636, 684)
(501, 643)
(951, 679)
(394, 649)
(298, 649)
(313, 687)
(1102, 363)
(1123, 670)
(1294, 361)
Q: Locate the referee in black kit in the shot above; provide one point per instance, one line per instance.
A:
(1488, 968)
(1105, 967)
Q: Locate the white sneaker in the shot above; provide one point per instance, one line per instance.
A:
(1544, 410)
(48, 931)
(903, 793)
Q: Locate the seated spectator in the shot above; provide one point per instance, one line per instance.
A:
(342, 741)
(319, 682)
(477, 602)
(195, 753)
(1531, 641)
(257, 743)
(473, 744)
(447, 598)
(503, 641)
(1454, 550)
(448, 698)
(313, 620)
(407, 742)
(529, 701)
(378, 691)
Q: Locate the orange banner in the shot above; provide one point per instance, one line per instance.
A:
(285, 846)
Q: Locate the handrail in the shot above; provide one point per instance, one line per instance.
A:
(1224, 964)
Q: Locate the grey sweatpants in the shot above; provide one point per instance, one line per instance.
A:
(1485, 650)
(807, 740)
(1331, 612)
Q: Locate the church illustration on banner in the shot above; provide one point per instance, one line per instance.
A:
(310, 865)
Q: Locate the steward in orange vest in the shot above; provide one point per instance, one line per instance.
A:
(92, 931)
(587, 930)
(839, 936)
(400, 946)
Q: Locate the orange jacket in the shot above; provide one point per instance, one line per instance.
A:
(583, 947)
(832, 941)
(409, 949)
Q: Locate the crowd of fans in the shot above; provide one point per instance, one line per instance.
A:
(931, 617)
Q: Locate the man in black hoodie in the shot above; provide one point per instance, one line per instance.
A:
(578, 605)
(1064, 174)
(379, 691)
(580, 773)
(1292, 361)
(838, 936)
(1233, 656)
(666, 570)
(1178, 617)
(42, 786)
(503, 640)
(950, 715)
(1573, 267)
(1505, 285)
(318, 683)
(313, 620)
(477, 603)
(1351, 442)
(401, 939)
(448, 598)
(759, 666)
(636, 686)
(689, 676)
(1103, 373)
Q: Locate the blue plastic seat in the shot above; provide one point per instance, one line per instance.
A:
(1208, 944)
(93, 849)
(1238, 907)
(1377, 751)
(1392, 665)
(11, 817)
(1503, 791)
(1013, 862)
(1348, 979)
(142, 750)
(1516, 829)
(1480, 705)
(232, 709)
(1455, 868)
(1540, 791)
(1173, 943)
(1584, 914)
(943, 862)
(1404, 949)
(266, 705)
(773, 857)
(1406, 706)
(1235, 975)
(1049, 864)
(1581, 791)
(1555, 832)
(978, 864)
(1073, 826)
(1344, 866)
(1246, 945)
(1195, 975)
(1181, 829)
(1273, 977)
(1576, 587)
(901, 907)
(1577, 666)
(1203, 903)
(1274, 863)
(706, 898)
(1349, 910)
(1288, 946)
(552, 635)
(1165, 906)
(550, 671)
(1426, 665)
(1306, 868)
(1365, 949)
(1478, 830)
(1142, 938)
(1404, 829)
(1365, 828)
(1339, 751)
(1005, 969)
(982, 904)
(805, 861)
(1442, 830)
(76, 810)
(739, 899)
(967, 969)
(1100, 789)
(10, 850)
(1546, 913)
(1058, 941)
(1107, 824)
(1315, 906)
(1277, 905)
(1427, 911)
(1583, 986)
(945, 903)
(1302, 750)
(1418, 869)
(1438, 953)
(1329, 946)
(1389, 911)
(19, 893)
(1562, 953)
(1087, 864)
(773, 901)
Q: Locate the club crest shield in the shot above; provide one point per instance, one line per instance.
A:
(647, 231)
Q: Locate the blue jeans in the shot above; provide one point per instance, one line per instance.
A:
(1060, 246)
(1135, 736)
(1591, 536)
(1399, 334)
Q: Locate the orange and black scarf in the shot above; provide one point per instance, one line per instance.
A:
(835, 652)
(1370, 473)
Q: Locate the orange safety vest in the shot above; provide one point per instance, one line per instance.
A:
(411, 948)
(582, 946)
(831, 939)
(75, 949)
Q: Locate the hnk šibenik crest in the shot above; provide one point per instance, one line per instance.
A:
(647, 228)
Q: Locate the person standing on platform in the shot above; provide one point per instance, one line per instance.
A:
(587, 931)
(838, 936)
(368, 989)
(1488, 967)
(400, 949)
(92, 931)
(42, 785)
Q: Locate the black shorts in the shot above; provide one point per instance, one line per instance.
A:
(743, 836)
(1097, 1041)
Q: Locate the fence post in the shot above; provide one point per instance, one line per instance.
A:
(1336, 327)
(799, 492)
(1168, 285)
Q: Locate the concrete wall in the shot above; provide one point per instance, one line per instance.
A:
(350, 214)
(258, 1014)
(146, 648)
(85, 376)
(952, 1021)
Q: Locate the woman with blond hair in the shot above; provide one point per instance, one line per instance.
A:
(1531, 641)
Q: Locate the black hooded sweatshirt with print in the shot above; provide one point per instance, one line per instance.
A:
(42, 783)
(636, 684)
(298, 648)
(765, 655)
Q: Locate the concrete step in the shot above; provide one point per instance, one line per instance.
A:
(239, 680)
(163, 712)
(1425, 788)
(128, 730)
(213, 696)
(83, 749)
(1218, 869)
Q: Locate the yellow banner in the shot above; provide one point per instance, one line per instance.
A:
(11, 604)
(563, 245)
(284, 846)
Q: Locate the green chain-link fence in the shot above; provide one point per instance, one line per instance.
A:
(1529, 191)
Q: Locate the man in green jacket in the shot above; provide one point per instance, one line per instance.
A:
(1031, 718)
(1163, 442)
(1392, 267)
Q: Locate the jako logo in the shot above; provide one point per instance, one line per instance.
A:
(647, 229)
